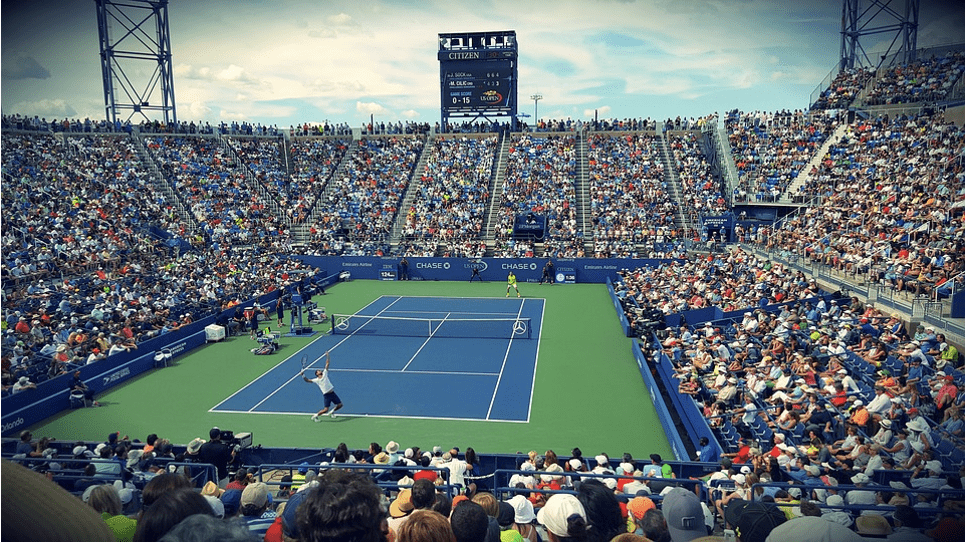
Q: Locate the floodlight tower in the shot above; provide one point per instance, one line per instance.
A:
(133, 33)
(862, 18)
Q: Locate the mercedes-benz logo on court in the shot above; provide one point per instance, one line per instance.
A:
(342, 324)
(519, 326)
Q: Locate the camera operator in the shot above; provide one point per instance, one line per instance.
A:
(217, 453)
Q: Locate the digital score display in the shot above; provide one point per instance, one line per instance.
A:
(478, 77)
(477, 85)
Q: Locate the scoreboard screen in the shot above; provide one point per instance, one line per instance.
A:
(477, 84)
(478, 75)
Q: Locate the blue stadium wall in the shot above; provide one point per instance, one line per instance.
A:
(491, 269)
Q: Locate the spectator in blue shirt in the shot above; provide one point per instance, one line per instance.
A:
(708, 453)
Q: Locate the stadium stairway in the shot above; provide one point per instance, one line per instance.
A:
(270, 199)
(329, 188)
(805, 175)
(582, 187)
(673, 182)
(496, 192)
(161, 184)
(411, 190)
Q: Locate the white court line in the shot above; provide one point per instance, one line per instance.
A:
(505, 356)
(536, 359)
(507, 314)
(389, 416)
(212, 409)
(256, 379)
(302, 374)
(397, 371)
(431, 333)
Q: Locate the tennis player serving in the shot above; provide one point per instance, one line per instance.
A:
(511, 282)
(331, 399)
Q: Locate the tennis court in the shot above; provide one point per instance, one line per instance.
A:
(588, 391)
(458, 358)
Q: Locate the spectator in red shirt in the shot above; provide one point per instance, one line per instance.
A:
(22, 326)
(425, 473)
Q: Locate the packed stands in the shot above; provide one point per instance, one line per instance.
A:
(540, 179)
(357, 211)
(819, 404)
(702, 194)
(925, 80)
(770, 149)
(213, 184)
(629, 197)
(844, 88)
(452, 196)
(314, 162)
(888, 189)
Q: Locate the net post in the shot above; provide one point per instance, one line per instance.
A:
(332, 321)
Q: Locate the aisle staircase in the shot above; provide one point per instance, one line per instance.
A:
(496, 192)
(805, 175)
(412, 190)
(301, 233)
(583, 196)
(162, 185)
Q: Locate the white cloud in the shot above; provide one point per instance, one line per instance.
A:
(371, 108)
(347, 60)
(232, 115)
(341, 19)
(49, 109)
(601, 111)
(235, 73)
(198, 110)
(229, 74)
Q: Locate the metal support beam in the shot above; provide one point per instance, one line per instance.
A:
(866, 18)
(134, 33)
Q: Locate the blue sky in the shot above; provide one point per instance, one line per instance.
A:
(287, 61)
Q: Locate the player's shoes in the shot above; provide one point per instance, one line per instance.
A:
(332, 415)
(315, 418)
(518, 294)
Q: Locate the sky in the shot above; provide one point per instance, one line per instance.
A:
(284, 62)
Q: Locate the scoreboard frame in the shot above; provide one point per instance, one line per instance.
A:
(478, 76)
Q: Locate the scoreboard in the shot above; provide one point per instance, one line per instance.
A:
(474, 84)
(478, 75)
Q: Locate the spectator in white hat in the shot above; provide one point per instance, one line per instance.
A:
(860, 496)
(812, 529)
(564, 518)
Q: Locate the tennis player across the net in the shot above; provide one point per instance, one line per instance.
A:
(481, 328)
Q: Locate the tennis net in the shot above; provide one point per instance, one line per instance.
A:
(482, 328)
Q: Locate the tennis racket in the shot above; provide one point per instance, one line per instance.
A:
(305, 364)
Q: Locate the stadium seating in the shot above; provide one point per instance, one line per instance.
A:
(115, 235)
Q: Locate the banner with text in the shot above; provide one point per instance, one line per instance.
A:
(490, 269)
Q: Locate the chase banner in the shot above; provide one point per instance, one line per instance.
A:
(588, 270)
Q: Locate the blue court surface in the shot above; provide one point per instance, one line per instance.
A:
(474, 359)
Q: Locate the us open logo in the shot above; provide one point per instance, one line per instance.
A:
(479, 266)
(491, 97)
